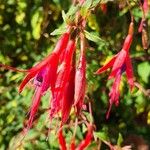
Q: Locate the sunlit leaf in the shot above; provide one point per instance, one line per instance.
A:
(144, 71)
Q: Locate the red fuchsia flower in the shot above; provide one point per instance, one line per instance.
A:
(68, 96)
(44, 75)
(80, 78)
(114, 92)
(51, 61)
(80, 84)
(119, 63)
(62, 100)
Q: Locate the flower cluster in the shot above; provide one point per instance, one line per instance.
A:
(58, 73)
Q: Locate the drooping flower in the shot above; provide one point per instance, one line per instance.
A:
(68, 96)
(44, 75)
(114, 92)
(80, 78)
(52, 60)
(119, 63)
(64, 81)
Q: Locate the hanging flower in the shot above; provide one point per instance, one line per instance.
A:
(64, 81)
(119, 63)
(80, 77)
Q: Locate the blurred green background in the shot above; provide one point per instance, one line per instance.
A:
(25, 27)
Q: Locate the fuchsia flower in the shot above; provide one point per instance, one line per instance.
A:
(119, 63)
(44, 75)
(80, 78)
(58, 73)
(62, 99)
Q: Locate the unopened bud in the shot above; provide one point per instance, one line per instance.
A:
(131, 28)
(145, 39)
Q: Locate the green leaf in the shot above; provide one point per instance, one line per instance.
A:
(144, 71)
(87, 4)
(85, 7)
(120, 139)
(84, 128)
(36, 22)
(64, 16)
(95, 3)
(102, 136)
(70, 16)
(32, 134)
(59, 31)
(93, 37)
(140, 104)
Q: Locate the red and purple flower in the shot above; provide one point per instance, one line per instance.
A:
(44, 76)
(119, 63)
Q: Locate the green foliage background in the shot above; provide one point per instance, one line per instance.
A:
(25, 28)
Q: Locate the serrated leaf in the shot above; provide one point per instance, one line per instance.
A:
(119, 140)
(92, 37)
(144, 71)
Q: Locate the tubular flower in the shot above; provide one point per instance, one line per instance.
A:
(80, 78)
(119, 63)
(68, 96)
(64, 80)
(51, 61)
(44, 76)
(114, 93)
(57, 73)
